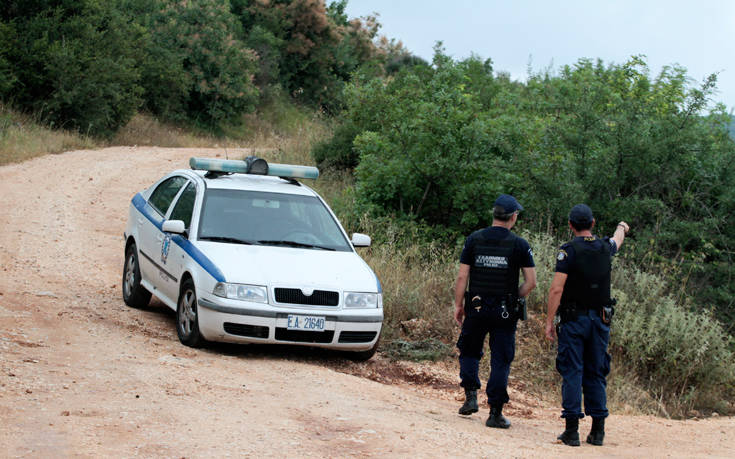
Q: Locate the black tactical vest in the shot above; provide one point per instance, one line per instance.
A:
(494, 270)
(588, 281)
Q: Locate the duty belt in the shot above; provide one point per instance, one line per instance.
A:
(572, 311)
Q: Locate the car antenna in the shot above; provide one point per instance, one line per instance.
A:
(226, 157)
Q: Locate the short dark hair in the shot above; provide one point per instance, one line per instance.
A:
(499, 213)
(581, 226)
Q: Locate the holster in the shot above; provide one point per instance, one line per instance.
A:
(608, 311)
(521, 311)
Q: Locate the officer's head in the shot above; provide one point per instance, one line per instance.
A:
(580, 217)
(506, 208)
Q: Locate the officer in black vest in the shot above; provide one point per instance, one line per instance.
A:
(491, 260)
(580, 293)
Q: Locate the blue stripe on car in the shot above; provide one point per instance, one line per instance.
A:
(142, 205)
(199, 257)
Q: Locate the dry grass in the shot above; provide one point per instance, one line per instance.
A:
(281, 132)
(288, 137)
(23, 138)
(145, 129)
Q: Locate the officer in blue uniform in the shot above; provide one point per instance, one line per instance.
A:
(490, 262)
(580, 293)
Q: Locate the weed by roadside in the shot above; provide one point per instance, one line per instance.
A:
(22, 137)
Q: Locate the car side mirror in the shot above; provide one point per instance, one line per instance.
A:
(174, 226)
(360, 240)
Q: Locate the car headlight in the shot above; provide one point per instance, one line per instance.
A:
(363, 300)
(243, 292)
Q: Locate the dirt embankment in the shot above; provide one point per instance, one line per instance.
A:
(83, 375)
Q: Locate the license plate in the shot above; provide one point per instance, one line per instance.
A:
(308, 323)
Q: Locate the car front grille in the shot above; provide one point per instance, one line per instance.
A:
(252, 331)
(301, 336)
(356, 336)
(296, 296)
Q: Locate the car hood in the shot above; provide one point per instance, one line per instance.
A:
(291, 267)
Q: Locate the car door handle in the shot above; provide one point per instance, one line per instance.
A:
(140, 221)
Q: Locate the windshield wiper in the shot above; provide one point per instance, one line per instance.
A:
(233, 240)
(295, 244)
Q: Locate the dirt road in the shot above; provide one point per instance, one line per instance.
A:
(83, 375)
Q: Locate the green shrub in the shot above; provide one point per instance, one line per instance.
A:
(338, 152)
(684, 357)
(73, 64)
(418, 350)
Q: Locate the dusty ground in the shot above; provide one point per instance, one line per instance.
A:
(83, 375)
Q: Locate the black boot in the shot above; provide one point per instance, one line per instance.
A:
(470, 402)
(570, 436)
(597, 434)
(496, 418)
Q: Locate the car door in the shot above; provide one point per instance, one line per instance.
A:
(172, 255)
(151, 235)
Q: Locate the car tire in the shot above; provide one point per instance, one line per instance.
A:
(187, 317)
(134, 294)
(363, 356)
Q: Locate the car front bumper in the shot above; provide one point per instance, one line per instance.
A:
(244, 322)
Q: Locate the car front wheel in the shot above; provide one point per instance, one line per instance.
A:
(187, 319)
(362, 356)
(134, 294)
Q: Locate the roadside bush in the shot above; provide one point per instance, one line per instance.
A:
(684, 358)
(73, 64)
(338, 151)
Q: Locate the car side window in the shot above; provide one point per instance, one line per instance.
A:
(184, 207)
(165, 193)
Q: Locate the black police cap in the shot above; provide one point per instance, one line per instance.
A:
(581, 213)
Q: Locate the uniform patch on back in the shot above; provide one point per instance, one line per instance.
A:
(491, 261)
(562, 255)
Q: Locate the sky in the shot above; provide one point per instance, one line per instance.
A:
(698, 35)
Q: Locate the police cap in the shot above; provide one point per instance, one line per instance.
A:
(508, 203)
(581, 214)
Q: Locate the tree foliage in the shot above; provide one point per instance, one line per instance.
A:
(71, 62)
(306, 47)
(438, 144)
(90, 64)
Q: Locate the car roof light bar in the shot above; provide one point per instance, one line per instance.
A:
(254, 165)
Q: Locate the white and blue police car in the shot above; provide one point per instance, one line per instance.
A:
(243, 252)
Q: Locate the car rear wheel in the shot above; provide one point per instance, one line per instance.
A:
(187, 319)
(134, 294)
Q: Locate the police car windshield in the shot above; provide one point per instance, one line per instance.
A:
(274, 218)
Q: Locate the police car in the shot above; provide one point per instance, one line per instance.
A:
(243, 252)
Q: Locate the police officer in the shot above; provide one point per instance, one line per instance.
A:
(491, 261)
(580, 293)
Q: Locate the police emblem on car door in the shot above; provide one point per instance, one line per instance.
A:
(165, 245)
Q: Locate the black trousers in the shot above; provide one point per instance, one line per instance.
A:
(478, 324)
